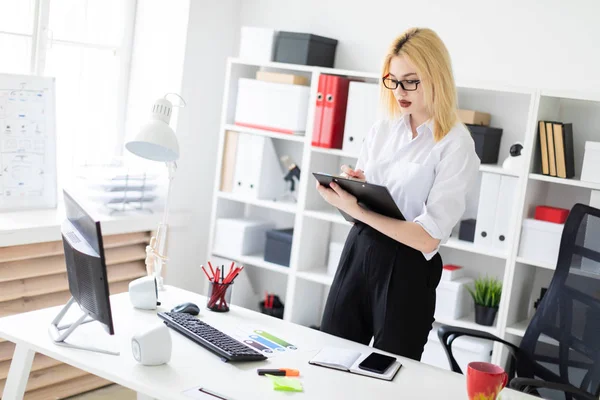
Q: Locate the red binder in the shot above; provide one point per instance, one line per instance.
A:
(319, 109)
(334, 112)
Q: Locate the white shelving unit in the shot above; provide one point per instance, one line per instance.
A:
(304, 285)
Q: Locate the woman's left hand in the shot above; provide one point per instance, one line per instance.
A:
(339, 198)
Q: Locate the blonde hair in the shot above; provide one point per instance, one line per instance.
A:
(424, 48)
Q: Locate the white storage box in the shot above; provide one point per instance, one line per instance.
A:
(361, 114)
(452, 272)
(333, 260)
(464, 349)
(590, 171)
(540, 241)
(273, 106)
(236, 236)
(257, 44)
(452, 299)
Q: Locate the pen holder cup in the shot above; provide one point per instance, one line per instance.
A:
(219, 296)
(276, 312)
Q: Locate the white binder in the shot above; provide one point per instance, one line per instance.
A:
(258, 173)
(361, 113)
(504, 212)
(486, 211)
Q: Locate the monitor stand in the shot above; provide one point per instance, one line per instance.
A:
(59, 338)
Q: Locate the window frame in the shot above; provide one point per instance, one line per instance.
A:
(42, 40)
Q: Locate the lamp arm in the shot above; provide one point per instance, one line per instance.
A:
(172, 167)
(181, 98)
(156, 251)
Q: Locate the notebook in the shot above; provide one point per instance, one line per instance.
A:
(348, 360)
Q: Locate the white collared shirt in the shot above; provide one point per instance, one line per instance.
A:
(429, 181)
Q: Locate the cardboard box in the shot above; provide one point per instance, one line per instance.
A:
(474, 117)
(282, 78)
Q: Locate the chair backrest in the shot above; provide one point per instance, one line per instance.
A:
(563, 338)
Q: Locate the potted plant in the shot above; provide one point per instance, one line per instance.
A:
(486, 296)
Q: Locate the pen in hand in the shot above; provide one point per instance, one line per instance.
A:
(348, 172)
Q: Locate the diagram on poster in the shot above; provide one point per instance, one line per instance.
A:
(27, 142)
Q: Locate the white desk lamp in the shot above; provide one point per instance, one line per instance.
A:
(156, 141)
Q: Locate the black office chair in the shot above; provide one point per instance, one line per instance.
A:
(567, 358)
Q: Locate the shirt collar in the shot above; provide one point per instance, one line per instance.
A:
(426, 126)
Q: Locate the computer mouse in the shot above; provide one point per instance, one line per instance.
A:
(188, 308)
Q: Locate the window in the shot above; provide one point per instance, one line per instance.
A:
(88, 45)
(88, 50)
(16, 35)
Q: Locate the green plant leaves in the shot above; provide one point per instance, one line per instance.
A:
(487, 291)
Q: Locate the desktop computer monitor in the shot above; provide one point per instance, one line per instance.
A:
(86, 273)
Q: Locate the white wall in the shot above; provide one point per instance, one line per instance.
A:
(546, 44)
(533, 43)
(212, 37)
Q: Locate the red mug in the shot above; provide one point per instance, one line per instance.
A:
(485, 380)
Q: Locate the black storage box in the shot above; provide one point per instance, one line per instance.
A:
(279, 246)
(305, 49)
(466, 231)
(275, 311)
(487, 142)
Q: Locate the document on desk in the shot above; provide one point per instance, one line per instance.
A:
(269, 343)
(202, 393)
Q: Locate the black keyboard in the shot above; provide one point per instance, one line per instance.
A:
(209, 337)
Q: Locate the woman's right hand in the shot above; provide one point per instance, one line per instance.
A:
(348, 172)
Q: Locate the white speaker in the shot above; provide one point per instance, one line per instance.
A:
(143, 293)
(152, 346)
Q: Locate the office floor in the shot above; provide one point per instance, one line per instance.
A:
(112, 392)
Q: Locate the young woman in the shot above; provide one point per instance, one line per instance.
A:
(385, 284)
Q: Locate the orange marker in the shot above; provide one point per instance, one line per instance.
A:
(279, 372)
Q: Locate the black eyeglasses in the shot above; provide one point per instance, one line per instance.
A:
(409, 84)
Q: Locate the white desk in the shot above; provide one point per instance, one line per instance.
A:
(191, 365)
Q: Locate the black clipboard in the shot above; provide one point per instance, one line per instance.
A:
(376, 198)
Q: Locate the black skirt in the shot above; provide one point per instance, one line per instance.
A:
(384, 290)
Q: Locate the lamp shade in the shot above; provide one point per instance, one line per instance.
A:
(156, 140)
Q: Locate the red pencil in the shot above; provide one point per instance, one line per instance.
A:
(206, 273)
(231, 275)
(211, 269)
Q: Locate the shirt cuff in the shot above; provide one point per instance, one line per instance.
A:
(433, 230)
